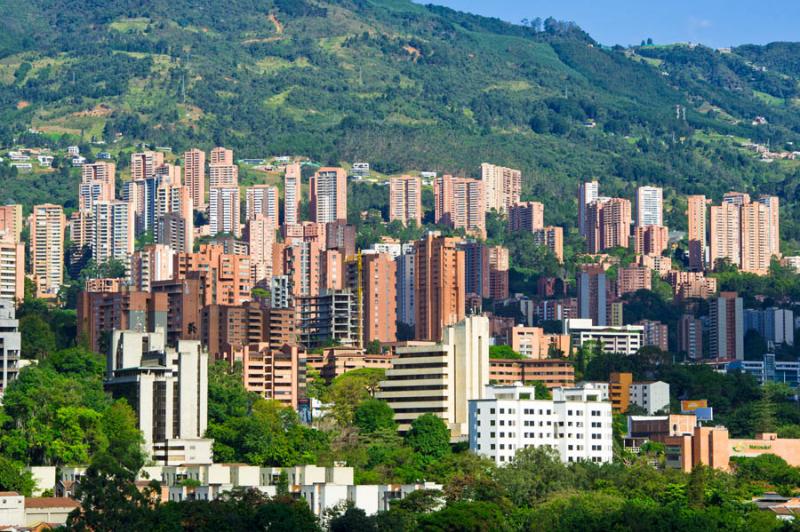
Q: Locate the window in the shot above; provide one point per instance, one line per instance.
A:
(491, 410)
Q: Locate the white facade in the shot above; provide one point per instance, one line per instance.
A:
(223, 211)
(626, 339)
(576, 423)
(12, 509)
(440, 378)
(649, 206)
(168, 389)
(587, 193)
(112, 236)
(652, 396)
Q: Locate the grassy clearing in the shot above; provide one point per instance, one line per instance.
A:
(125, 25)
(769, 99)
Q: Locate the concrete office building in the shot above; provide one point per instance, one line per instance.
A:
(168, 389)
(577, 423)
(328, 201)
(47, 224)
(440, 378)
(726, 335)
(501, 186)
(405, 199)
(439, 295)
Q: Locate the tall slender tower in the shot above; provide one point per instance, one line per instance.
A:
(587, 193)
(439, 271)
(292, 194)
(47, 225)
(329, 195)
(696, 213)
(194, 170)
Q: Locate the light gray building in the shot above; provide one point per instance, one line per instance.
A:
(10, 342)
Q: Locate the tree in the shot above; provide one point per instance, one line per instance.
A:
(352, 519)
(284, 514)
(429, 437)
(38, 339)
(13, 477)
(374, 347)
(467, 516)
(504, 352)
(373, 414)
(534, 473)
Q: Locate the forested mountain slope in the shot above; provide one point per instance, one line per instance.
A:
(404, 86)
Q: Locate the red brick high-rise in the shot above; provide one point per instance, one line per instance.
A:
(438, 285)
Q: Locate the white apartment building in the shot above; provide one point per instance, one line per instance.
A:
(262, 200)
(626, 339)
(10, 344)
(576, 423)
(291, 194)
(652, 396)
(223, 211)
(649, 206)
(168, 389)
(440, 378)
(501, 186)
(47, 226)
(112, 231)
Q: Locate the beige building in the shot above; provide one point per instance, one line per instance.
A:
(292, 194)
(650, 239)
(501, 186)
(608, 224)
(745, 233)
(47, 225)
(532, 342)
(526, 216)
(12, 271)
(439, 291)
(405, 199)
(194, 169)
(441, 378)
(460, 203)
(97, 184)
(144, 164)
(696, 214)
(262, 200)
(756, 246)
(260, 238)
(551, 236)
(10, 222)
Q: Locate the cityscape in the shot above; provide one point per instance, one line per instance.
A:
(222, 333)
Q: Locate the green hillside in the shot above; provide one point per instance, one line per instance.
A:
(402, 85)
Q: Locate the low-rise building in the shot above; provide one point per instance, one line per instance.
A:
(576, 423)
(552, 372)
(626, 339)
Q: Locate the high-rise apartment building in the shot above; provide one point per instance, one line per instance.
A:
(328, 201)
(655, 334)
(10, 344)
(501, 187)
(726, 318)
(553, 238)
(112, 231)
(633, 278)
(650, 239)
(222, 172)
(194, 170)
(690, 337)
(379, 297)
(220, 155)
(441, 378)
(726, 236)
(459, 203)
(486, 270)
(260, 238)
(696, 214)
(223, 211)
(649, 206)
(153, 263)
(144, 164)
(225, 278)
(405, 199)
(526, 216)
(608, 224)
(301, 262)
(10, 222)
(292, 194)
(176, 232)
(755, 238)
(97, 184)
(406, 310)
(47, 225)
(169, 174)
(12, 271)
(168, 390)
(736, 198)
(772, 203)
(588, 193)
(439, 296)
(262, 200)
(593, 295)
(174, 216)
(329, 316)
